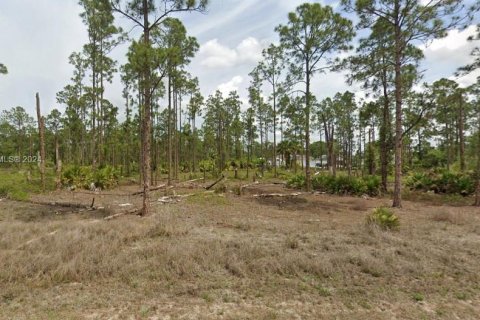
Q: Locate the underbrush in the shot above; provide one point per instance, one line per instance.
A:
(442, 182)
(83, 176)
(339, 185)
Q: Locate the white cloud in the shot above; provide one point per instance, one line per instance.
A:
(466, 80)
(215, 55)
(444, 56)
(232, 85)
(455, 39)
(249, 50)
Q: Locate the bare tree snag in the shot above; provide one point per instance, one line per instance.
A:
(41, 132)
(59, 171)
(213, 184)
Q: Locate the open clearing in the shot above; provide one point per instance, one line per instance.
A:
(215, 256)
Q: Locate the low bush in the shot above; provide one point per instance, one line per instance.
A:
(339, 185)
(442, 182)
(82, 176)
(206, 165)
(296, 182)
(383, 218)
(106, 177)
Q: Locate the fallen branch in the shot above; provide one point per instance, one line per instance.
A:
(248, 185)
(271, 195)
(113, 216)
(174, 198)
(190, 181)
(152, 189)
(213, 184)
(63, 204)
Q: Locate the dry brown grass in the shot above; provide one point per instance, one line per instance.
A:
(451, 216)
(224, 257)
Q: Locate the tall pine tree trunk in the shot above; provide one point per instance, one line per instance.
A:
(146, 116)
(477, 191)
(384, 134)
(169, 130)
(461, 129)
(307, 129)
(274, 132)
(397, 192)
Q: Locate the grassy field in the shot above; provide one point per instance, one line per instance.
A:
(221, 256)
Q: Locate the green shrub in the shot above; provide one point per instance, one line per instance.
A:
(442, 182)
(346, 185)
(418, 297)
(419, 181)
(383, 218)
(339, 185)
(296, 182)
(82, 176)
(372, 183)
(78, 176)
(106, 177)
(206, 165)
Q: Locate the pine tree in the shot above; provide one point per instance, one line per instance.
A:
(313, 32)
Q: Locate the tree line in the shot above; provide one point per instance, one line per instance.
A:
(170, 127)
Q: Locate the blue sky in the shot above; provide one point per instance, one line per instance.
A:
(38, 36)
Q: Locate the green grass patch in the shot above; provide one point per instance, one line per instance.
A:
(208, 199)
(17, 184)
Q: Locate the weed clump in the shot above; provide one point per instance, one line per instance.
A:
(383, 218)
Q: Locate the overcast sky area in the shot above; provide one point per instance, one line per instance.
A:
(38, 36)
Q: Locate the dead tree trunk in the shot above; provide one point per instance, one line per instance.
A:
(41, 133)
(58, 164)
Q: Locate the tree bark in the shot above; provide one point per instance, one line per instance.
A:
(384, 134)
(58, 163)
(274, 130)
(41, 133)
(397, 192)
(169, 129)
(307, 128)
(146, 117)
(461, 129)
(477, 191)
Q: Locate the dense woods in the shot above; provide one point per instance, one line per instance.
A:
(167, 127)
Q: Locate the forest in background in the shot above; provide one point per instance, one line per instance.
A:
(428, 131)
